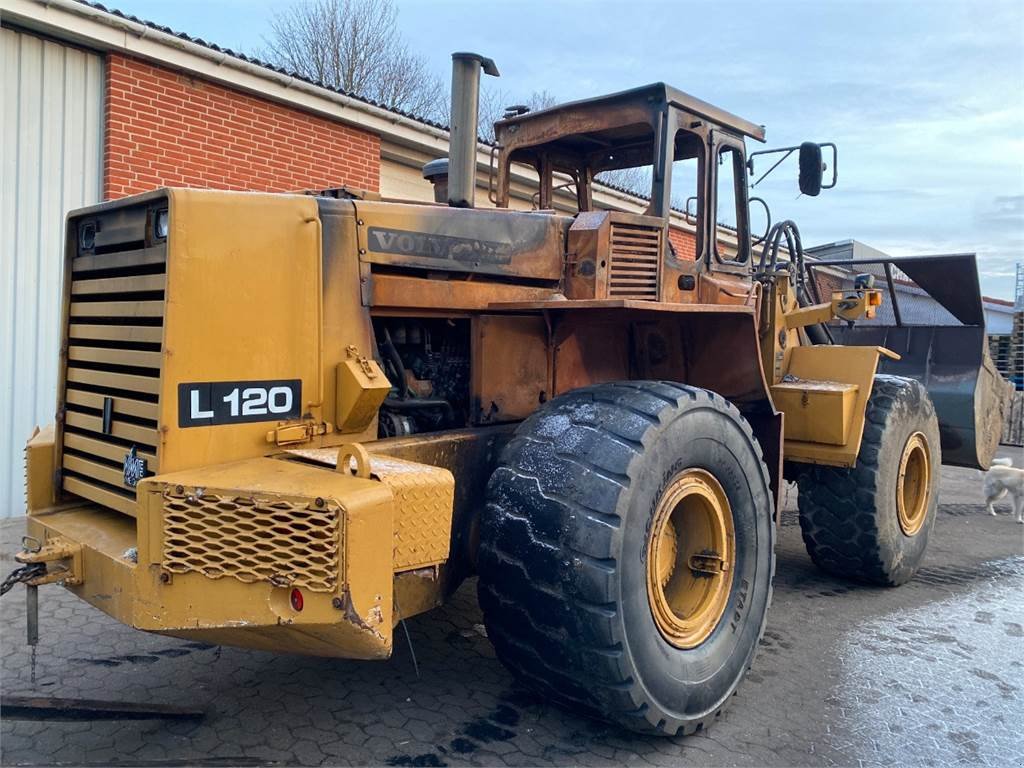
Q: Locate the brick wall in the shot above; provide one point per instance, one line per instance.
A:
(164, 128)
(684, 242)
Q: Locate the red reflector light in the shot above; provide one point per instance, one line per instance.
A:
(296, 599)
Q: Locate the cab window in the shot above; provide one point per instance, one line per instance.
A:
(729, 201)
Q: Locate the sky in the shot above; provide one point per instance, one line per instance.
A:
(924, 99)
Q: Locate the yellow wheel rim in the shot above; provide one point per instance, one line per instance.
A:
(690, 558)
(913, 488)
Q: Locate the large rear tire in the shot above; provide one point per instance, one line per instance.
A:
(627, 553)
(871, 523)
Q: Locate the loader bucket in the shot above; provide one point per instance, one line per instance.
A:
(932, 317)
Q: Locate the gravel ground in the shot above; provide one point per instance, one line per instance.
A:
(928, 674)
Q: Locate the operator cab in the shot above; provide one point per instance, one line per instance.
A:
(652, 126)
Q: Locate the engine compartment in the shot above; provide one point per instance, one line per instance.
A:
(428, 362)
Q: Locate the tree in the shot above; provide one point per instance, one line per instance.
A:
(634, 180)
(355, 46)
(494, 102)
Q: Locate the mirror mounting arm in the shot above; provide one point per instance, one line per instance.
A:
(750, 161)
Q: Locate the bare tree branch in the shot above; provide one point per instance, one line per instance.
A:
(355, 46)
(636, 180)
(494, 102)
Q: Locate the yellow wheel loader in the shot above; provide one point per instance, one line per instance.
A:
(287, 422)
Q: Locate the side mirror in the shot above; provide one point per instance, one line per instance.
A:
(812, 165)
(812, 169)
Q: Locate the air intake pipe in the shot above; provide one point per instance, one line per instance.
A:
(465, 106)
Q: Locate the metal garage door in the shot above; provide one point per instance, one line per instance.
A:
(52, 142)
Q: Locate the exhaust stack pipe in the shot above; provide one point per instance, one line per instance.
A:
(465, 106)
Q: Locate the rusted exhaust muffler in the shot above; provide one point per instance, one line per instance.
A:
(463, 131)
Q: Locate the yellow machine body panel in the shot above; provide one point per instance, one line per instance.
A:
(361, 388)
(816, 411)
(824, 395)
(215, 553)
(243, 295)
(424, 496)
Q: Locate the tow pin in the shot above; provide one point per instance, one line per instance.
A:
(32, 626)
(32, 609)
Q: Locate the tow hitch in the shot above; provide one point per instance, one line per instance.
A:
(57, 560)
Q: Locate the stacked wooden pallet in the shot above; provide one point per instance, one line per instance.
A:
(1013, 427)
(1007, 351)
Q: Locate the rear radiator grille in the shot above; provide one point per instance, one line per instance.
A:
(634, 263)
(115, 337)
(286, 543)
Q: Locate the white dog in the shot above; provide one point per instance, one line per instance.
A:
(1001, 479)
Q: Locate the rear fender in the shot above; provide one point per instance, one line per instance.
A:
(714, 350)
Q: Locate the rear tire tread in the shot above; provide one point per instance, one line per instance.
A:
(583, 664)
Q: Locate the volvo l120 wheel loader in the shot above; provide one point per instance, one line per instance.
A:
(287, 421)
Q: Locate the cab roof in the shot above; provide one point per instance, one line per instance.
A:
(598, 113)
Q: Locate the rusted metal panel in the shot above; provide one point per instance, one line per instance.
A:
(480, 242)
(398, 292)
(588, 245)
(558, 304)
(630, 339)
(615, 109)
(615, 255)
(590, 349)
(509, 374)
(722, 289)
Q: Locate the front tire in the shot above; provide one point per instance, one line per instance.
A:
(627, 553)
(871, 523)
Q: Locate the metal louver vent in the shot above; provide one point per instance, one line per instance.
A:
(114, 351)
(634, 264)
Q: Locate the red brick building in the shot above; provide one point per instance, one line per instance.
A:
(163, 127)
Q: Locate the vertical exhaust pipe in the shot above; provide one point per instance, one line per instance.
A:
(465, 106)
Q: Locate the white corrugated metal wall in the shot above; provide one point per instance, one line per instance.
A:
(52, 115)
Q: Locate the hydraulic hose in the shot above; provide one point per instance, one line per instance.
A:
(396, 362)
(769, 261)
